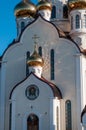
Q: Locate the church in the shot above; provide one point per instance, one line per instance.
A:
(43, 71)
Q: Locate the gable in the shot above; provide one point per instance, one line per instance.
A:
(40, 82)
(15, 55)
(19, 92)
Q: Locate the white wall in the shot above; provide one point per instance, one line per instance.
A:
(23, 107)
(65, 63)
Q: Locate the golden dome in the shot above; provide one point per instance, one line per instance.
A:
(35, 59)
(76, 4)
(25, 8)
(44, 5)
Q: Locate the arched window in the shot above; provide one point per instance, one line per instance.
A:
(71, 22)
(85, 20)
(77, 21)
(53, 15)
(22, 26)
(40, 51)
(32, 122)
(57, 119)
(68, 115)
(52, 63)
(65, 11)
(27, 69)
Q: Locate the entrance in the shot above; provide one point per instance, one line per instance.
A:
(32, 122)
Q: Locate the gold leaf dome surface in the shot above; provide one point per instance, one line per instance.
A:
(25, 9)
(76, 4)
(35, 60)
(44, 5)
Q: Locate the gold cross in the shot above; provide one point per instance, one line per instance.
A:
(35, 37)
(25, 0)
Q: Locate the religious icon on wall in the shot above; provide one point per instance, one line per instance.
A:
(32, 92)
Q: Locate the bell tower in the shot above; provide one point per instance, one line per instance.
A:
(77, 12)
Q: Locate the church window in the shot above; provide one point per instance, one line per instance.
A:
(65, 11)
(22, 26)
(85, 21)
(17, 29)
(53, 15)
(68, 115)
(10, 116)
(71, 22)
(77, 21)
(40, 50)
(52, 63)
(27, 69)
(32, 122)
(57, 118)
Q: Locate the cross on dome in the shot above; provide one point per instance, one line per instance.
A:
(25, 0)
(35, 37)
(35, 59)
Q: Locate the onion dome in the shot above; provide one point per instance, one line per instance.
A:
(25, 8)
(35, 59)
(76, 4)
(44, 5)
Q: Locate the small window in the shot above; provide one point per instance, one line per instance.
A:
(57, 118)
(53, 15)
(77, 21)
(71, 22)
(40, 51)
(65, 11)
(22, 26)
(68, 115)
(85, 20)
(52, 63)
(27, 69)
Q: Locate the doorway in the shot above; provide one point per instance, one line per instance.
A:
(32, 122)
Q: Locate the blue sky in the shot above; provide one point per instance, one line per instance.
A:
(7, 23)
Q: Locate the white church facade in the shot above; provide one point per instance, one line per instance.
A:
(43, 72)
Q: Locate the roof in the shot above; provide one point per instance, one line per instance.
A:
(25, 8)
(76, 4)
(55, 89)
(60, 32)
